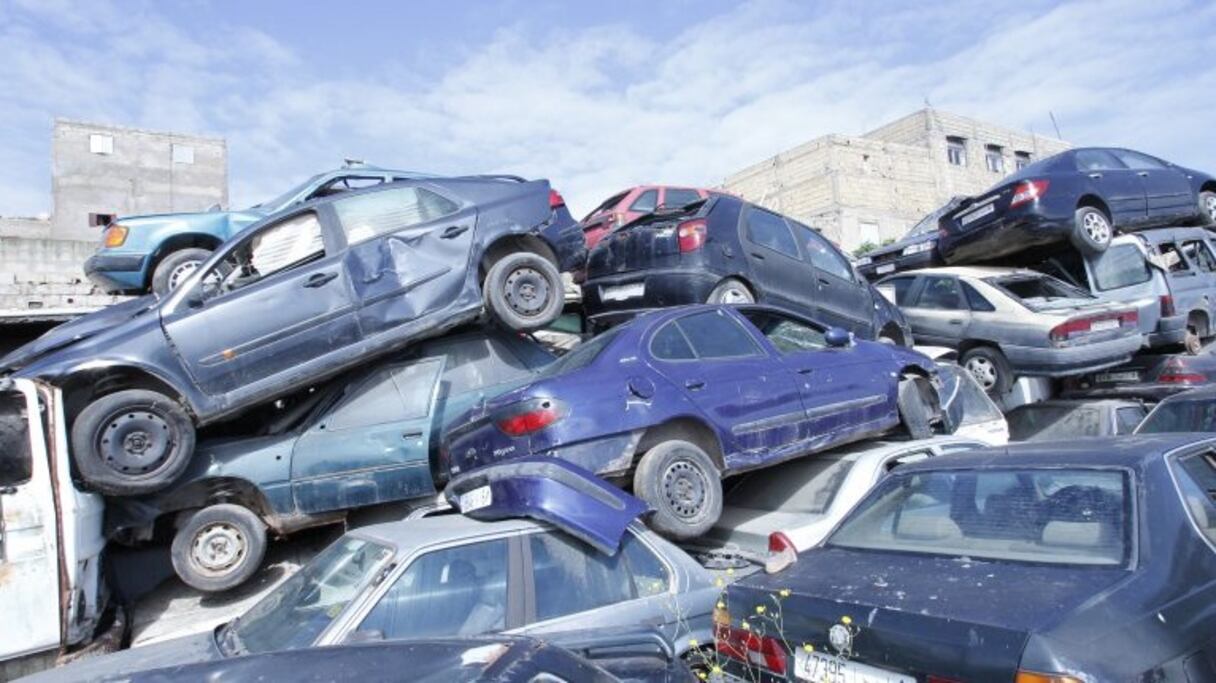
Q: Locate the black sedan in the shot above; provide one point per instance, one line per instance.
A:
(1083, 196)
(917, 249)
(1056, 562)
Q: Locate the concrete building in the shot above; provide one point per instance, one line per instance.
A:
(873, 187)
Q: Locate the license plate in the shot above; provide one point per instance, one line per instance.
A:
(623, 292)
(821, 668)
(888, 268)
(976, 215)
(1100, 325)
(1116, 377)
(476, 499)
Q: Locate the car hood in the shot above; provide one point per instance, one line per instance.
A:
(896, 247)
(193, 649)
(192, 218)
(75, 331)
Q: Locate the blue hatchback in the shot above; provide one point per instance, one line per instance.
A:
(675, 399)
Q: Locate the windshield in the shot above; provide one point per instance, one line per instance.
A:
(1121, 265)
(1052, 516)
(806, 487)
(293, 615)
(1040, 292)
(583, 355)
(928, 224)
(1046, 422)
(609, 203)
(280, 202)
(1180, 416)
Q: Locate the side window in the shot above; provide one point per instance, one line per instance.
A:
(1198, 253)
(649, 574)
(1197, 483)
(393, 394)
(275, 249)
(824, 256)
(786, 334)
(571, 577)
(669, 344)
(340, 185)
(770, 230)
(714, 335)
(460, 591)
(646, 202)
(975, 300)
(896, 290)
(679, 197)
(1171, 257)
(1097, 160)
(940, 293)
(365, 216)
(1127, 419)
(16, 459)
(476, 363)
(1137, 161)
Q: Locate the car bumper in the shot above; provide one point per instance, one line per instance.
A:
(1003, 237)
(1074, 360)
(924, 259)
(1170, 331)
(116, 273)
(661, 288)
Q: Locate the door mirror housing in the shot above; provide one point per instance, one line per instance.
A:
(838, 338)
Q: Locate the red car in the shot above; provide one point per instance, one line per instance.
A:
(625, 206)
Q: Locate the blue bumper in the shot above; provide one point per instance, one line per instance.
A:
(1003, 236)
(117, 273)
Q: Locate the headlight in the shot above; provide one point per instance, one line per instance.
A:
(863, 261)
(917, 248)
(115, 236)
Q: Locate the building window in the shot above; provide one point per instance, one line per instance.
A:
(183, 154)
(100, 220)
(101, 144)
(1021, 160)
(995, 159)
(956, 150)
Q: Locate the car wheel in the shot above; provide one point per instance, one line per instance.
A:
(524, 291)
(681, 484)
(1092, 230)
(175, 268)
(990, 369)
(916, 406)
(219, 547)
(1192, 343)
(731, 291)
(132, 442)
(1207, 207)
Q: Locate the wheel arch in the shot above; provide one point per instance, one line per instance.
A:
(1202, 322)
(1208, 185)
(87, 385)
(209, 491)
(684, 428)
(510, 244)
(191, 240)
(894, 331)
(1095, 202)
(968, 344)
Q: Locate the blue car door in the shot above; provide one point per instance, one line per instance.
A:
(373, 445)
(409, 251)
(264, 307)
(1167, 191)
(1118, 186)
(740, 388)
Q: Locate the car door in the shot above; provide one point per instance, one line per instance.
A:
(1167, 191)
(373, 446)
(775, 262)
(839, 298)
(1119, 186)
(1199, 254)
(265, 308)
(939, 313)
(1188, 287)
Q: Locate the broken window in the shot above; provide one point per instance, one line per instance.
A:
(956, 150)
(278, 248)
(1198, 252)
(787, 334)
(366, 216)
(1171, 258)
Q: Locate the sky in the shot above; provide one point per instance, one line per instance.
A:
(594, 96)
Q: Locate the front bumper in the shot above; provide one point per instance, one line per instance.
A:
(662, 288)
(877, 269)
(1074, 360)
(116, 273)
(1004, 236)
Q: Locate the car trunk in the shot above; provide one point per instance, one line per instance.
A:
(648, 243)
(958, 618)
(980, 211)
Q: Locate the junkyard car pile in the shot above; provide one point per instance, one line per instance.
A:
(742, 470)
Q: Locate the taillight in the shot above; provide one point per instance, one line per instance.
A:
(1167, 306)
(1035, 677)
(1176, 371)
(781, 553)
(1066, 330)
(530, 416)
(939, 679)
(743, 645)
(1028, 191)
(555, 199)
(115, 236)
(691, 234)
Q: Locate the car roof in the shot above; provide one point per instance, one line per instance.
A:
(971, 271)
(407, 535)
(1132, 451)
(1078, 402)
(1201, 393)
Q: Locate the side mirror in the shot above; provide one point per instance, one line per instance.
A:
(838, 338)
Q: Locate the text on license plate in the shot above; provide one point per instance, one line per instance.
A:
(476, 499)
(883, 269)
(822, 668)
(623, 292)
(1114, 377)
(1100, 325)
(976, 215)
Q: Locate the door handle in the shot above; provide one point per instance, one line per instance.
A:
(955, 321)
(825, 282)
(319, 279)
(453, 232)
(758, 256)
(1143, 174)
(694, 384)
(805, 371)
(412, 435)
(1095, 176)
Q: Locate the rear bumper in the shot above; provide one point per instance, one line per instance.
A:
(662, 288)
(116, 272)
(924, 259)
(1006, 235)
(1062, 362)
(1170, 331)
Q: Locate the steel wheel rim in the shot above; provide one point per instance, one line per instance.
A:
(685, 488)
(181, 272)
(1097, 227)
(135, 442)
(527, 291)
(984, 372)
(218, 547)
(735, 295)
(1211, 206)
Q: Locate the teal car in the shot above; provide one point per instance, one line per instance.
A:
(153, 253)
(366, 438)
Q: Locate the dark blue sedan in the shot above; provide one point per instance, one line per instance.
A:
(1082, 196)
(675, 399)
(1055, 562)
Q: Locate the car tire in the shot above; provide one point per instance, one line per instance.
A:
(990, 369)
(915, 406)
(1192, 343)
(731, 291)
(1092, 230)
(219, 547)
(132, 442)
(1207, 207)
(680, 482)
(175, 267)
(524, 291)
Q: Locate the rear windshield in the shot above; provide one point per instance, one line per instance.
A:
(1046, 422)
(583, 355)
(1040, 292)
(1121, 265)
(1050, 516)
(608, 204)
(804, 487)
(1196, 476)
(1197, 415)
